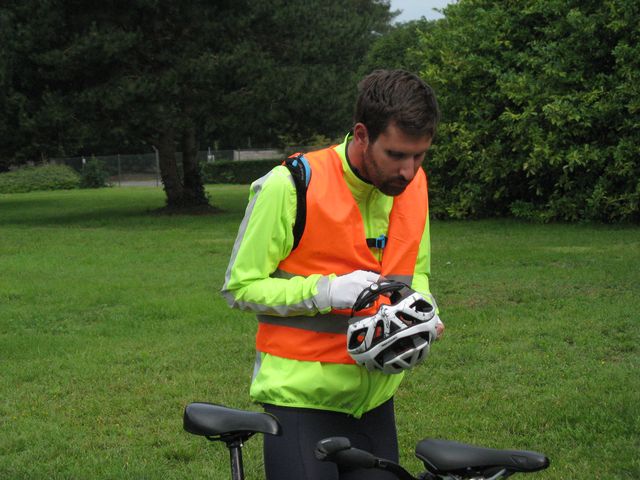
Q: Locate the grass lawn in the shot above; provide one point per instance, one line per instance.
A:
(111, 322)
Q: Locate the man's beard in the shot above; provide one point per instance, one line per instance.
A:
(390, 186)
(394, 187)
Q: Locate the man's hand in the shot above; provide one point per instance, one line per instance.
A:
(344, 290)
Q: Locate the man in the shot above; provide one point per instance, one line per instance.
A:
(366, 217)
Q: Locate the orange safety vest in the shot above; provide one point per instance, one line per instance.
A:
(334, 241)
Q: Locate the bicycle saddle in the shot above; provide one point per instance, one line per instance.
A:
(444, 456)
(218, 423)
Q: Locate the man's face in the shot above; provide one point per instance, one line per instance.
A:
(391, 162)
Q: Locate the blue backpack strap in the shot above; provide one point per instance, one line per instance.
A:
(301, 174)
(378, 242)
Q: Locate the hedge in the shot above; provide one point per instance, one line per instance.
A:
(541, 110)
(41, 177)
(242, 172)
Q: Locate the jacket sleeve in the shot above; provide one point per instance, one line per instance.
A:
(265, 238)
(422, 269)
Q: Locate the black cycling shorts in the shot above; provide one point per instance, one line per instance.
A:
(290, 456)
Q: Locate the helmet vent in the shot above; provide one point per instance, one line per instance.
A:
(422, 306)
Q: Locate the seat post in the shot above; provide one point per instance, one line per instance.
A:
(235, 454)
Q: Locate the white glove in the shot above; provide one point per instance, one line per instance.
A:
(344, 290)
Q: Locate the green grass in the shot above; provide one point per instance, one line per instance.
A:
(110, 323)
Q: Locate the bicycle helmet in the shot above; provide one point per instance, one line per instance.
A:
(399, 335)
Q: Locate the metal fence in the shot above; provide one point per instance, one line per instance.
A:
(144, 169)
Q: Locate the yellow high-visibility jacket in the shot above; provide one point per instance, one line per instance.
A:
(253, 282)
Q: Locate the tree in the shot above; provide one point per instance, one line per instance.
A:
(541, 109)
(305, 59)
(6, 92)
(20, 137)
(396, 49)
(144, 71)
(88, 75)
(163, 78)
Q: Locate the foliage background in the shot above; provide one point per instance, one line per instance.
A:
(43, 177)
(541, 109)
(540, 99)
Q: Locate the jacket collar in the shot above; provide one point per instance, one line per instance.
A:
(358, 186)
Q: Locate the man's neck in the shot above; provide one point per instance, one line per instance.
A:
(355, 157)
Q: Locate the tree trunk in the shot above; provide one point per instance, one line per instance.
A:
(185, 193)
(194, 194)
(169, 169)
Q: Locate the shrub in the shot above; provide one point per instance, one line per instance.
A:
(41, 177)
(541, 110)
(94, 174)
(240, 172)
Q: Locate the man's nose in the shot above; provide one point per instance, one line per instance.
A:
(407, 169)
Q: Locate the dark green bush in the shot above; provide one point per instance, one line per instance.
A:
(541, 110)
(241, 172)
(94, 174)
(42, 177)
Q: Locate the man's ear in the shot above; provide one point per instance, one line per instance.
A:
(361, 135)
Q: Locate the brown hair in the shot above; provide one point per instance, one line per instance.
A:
(400, 97)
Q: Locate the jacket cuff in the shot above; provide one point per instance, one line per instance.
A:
(321, 299)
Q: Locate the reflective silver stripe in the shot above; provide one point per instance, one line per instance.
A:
(256, 366)
(257, 185)
(329, 323)
(306, 305)
(282, 274)
(321, 299)
(406, 279)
